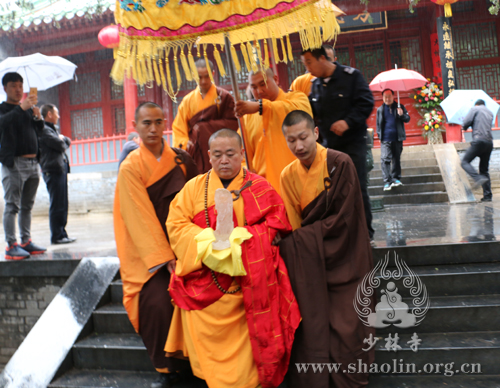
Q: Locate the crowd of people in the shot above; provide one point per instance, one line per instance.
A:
(281, 291)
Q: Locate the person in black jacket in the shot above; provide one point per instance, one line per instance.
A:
(341, 101)
(20, 126)
(391, 119)
(55, 169)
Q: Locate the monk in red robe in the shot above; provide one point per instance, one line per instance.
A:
(327, 256)
(148, 180)
(202, 112)
(234, 319)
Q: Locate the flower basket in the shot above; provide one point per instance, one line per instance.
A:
(426, 101)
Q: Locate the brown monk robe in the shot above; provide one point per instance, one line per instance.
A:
(148, 180)
(208, 121)
(327, 256)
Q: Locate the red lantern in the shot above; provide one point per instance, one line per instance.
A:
(109, 37)
(447, 6)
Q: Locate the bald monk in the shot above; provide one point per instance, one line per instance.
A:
(266, 147)
(327, 256)
(201, 113)
(148, 180)
(236, 326)
(304, 82)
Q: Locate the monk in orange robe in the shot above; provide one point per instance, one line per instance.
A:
(303, 83)
(327, 256)
(148, 180)
(236, 323)
(202, 112)
(266, 146)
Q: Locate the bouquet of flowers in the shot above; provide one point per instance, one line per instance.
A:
(427, 100)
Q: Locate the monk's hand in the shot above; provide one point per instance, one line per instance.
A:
(339, 127)
(276, 240)
(171, 266)
(242, 108)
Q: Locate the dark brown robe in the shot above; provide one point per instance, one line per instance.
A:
(155, 306)
(208, 121)
(326, 259)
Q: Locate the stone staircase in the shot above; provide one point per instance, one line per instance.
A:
(421, 177)
(109, 353)
(462, 325)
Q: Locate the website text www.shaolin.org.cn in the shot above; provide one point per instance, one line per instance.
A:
(396, 367)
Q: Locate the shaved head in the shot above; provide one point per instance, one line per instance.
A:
(268, 72)
(225, 133)
(264, 84)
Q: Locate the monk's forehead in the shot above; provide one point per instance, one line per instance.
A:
(224, 144)
(150, 113)
(257, 78)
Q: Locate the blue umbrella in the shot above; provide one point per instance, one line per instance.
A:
(459, 103)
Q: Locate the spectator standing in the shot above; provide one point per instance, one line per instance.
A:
(480, 119)
(20, 125)
(55, 169)
(133, 142)
(391, 119)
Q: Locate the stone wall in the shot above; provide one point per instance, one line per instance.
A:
(22, 302)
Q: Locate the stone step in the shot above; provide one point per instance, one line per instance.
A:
(407, 155)
(411, 188)
(413, 199)
(453, 314)
(410, 163)
(433, 381)
(417, 149)
(112, 351)
(377, 172)
(116, 289)
(112, 318)
(78, 378)
(481, 348)
(443, 254)
(408, 179)
(456, 280)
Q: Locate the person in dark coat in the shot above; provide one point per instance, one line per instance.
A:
(391, 119)
(55, 169)
(481, 120)
(133, 142)
(341, 102)
(20, 125)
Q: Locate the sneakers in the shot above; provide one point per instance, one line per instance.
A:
(485, 199)
(397, 183)
(33, 249)
(387, 187)
(15, 252)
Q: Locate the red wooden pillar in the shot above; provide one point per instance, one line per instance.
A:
(454, 133)
(131, 102)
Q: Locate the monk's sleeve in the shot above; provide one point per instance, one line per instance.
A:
(180, 126)
(140, 219)
(274, 112)
(290, 198)
(182, 230)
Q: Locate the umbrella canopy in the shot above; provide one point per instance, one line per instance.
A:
(154, 33)
(459, 103)
(39, 71)
(398, 80)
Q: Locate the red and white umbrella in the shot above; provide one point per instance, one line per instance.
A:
(398, 80)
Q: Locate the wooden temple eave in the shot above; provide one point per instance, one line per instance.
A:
(353, 7)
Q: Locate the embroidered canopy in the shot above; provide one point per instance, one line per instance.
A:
(155, 32)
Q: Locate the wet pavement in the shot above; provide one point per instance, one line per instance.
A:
(395, 226)
(441, 223)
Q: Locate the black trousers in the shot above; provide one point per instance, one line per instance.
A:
(481, 149)
(390, 153)
(357, 152)
(57, 186)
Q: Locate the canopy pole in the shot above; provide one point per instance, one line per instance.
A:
(234, 83)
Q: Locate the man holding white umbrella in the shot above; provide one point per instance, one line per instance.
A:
(20, 126)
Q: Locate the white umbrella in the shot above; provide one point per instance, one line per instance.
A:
(38, 70)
